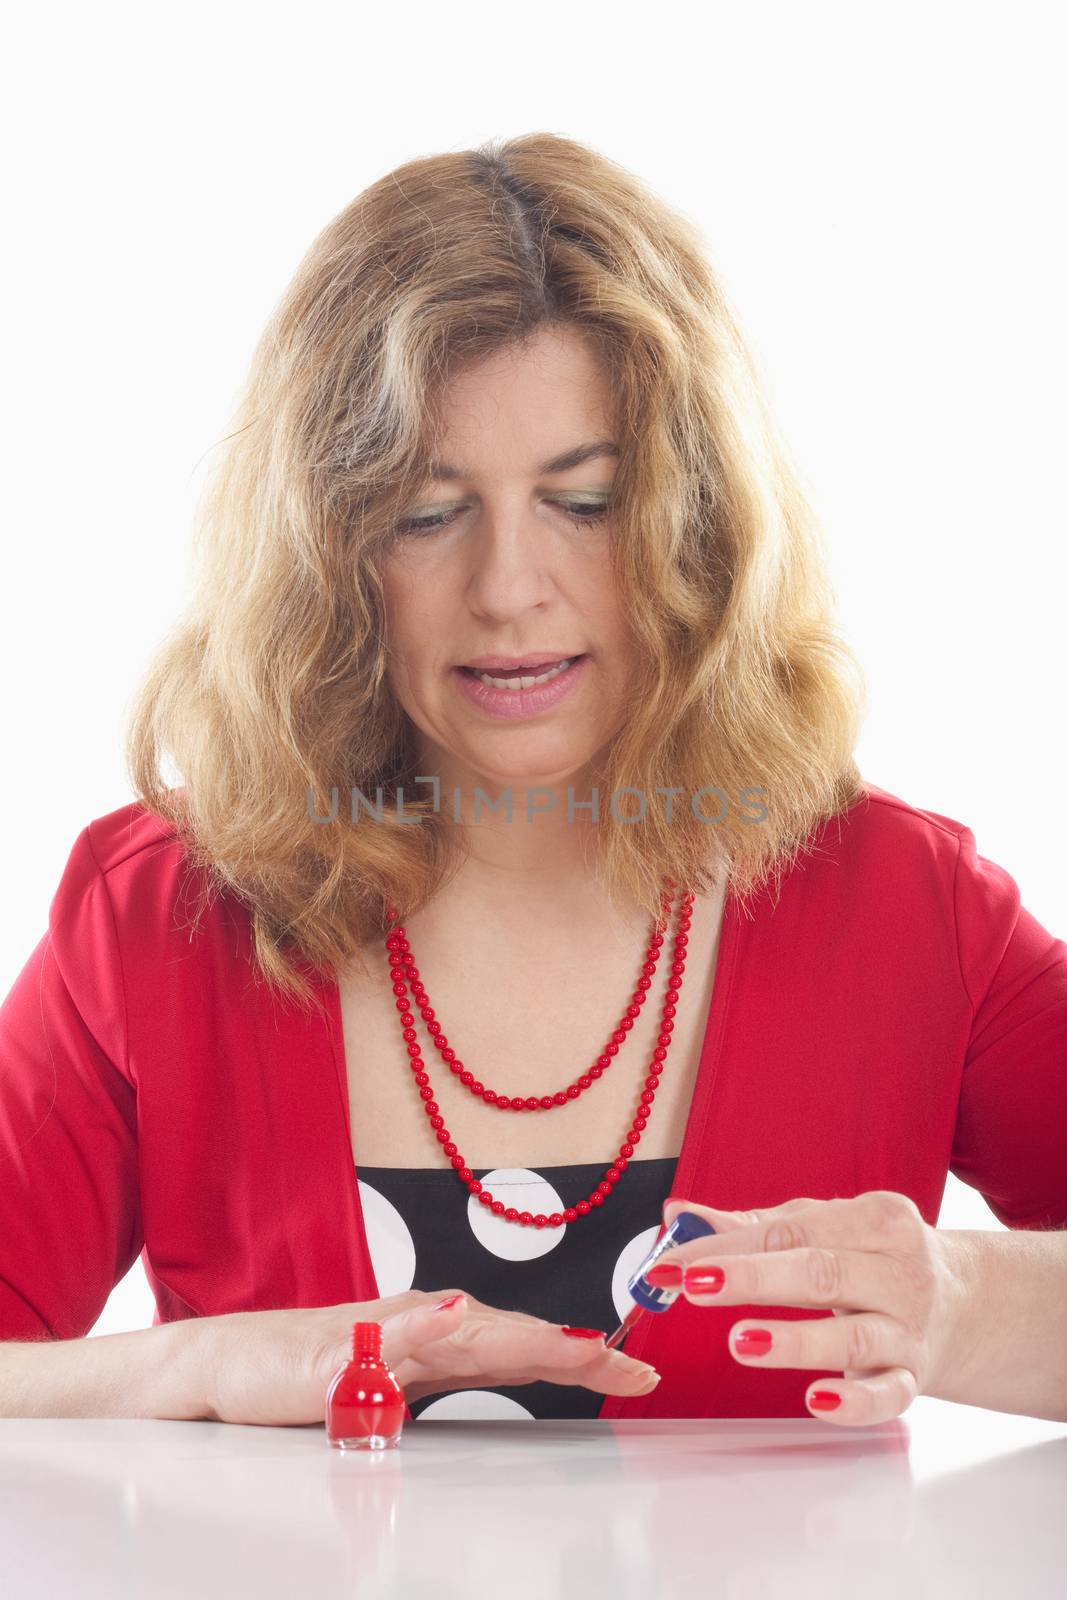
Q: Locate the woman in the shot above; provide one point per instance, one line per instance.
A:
(502, 427)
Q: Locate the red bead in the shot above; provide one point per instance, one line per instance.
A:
(404, 972)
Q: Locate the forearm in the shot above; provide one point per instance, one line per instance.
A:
(152, 1372)
(1009, 1345)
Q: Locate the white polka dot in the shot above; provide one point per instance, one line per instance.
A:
(389, 1241)
(476, 1405)
(630, 1258)
(526, 1191)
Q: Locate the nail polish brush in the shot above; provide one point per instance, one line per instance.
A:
(686, 1225)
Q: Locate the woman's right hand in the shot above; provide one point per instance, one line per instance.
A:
(274, 1367)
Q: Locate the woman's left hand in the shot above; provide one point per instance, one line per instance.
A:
(890, 1279)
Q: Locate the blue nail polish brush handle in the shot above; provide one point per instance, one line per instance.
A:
(686, 1226)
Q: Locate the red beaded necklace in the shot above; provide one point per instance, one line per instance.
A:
(402, 962)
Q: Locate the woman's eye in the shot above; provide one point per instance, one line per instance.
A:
(580, 512)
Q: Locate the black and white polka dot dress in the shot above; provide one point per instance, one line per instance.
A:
(426, 1231)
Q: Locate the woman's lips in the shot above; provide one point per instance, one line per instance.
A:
(507, 703)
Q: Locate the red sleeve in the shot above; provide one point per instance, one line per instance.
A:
(70, 1214)
(1010, 1140)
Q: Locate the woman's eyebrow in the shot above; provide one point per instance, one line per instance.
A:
(442, 471)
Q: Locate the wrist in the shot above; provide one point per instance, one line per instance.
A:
(184, 1384)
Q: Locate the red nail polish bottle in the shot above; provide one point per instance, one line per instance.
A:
(364, 1403)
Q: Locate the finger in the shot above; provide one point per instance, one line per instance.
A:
(879, 1219)
(556, 1357)
(509, 1347)
(849, 1280)
(407, 1331)
(721, 1221)
(864, 1343)
(864, 1402)
(609, 1371)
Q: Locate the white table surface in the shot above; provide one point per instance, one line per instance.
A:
(944, 1501)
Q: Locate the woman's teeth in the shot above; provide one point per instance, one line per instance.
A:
(524, 683)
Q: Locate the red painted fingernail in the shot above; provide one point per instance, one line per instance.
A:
(443, 1305)
(584, 1333)
(752, 1342)
(704, 1280)
(665, 1275)
(824, 1400)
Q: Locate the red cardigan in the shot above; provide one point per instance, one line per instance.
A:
(893, 1015)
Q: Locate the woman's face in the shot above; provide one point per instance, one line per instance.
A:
(519, 568)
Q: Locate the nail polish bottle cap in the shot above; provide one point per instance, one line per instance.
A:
(686, 1225)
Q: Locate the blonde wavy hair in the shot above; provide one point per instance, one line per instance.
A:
(271, 691)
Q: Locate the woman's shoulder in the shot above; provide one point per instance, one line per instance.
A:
(130, 868)
(881, 833)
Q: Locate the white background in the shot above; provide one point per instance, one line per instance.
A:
(881, 192)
